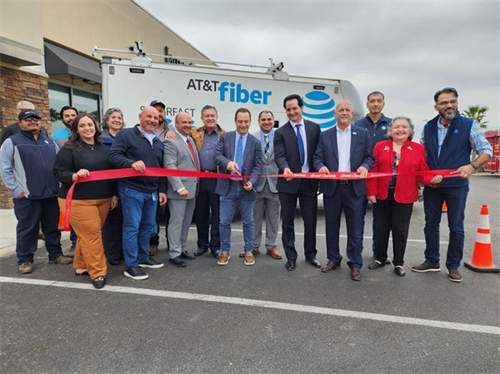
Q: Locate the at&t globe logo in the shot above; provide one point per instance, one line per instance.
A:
(318, 107)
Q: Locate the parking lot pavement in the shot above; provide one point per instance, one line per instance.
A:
(207, 319)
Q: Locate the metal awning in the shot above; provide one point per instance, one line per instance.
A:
(61, 61)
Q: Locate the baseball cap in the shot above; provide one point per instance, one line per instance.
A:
(157, 102)
(28, 113)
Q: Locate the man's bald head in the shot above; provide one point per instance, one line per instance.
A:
(148, 119)
(343, 114)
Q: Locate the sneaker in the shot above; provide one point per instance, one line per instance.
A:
(223, 259)
(71, 252)
(424, 267)
(454, 275)
(249, 259)
(136, 273)
(26, 268)
(151, 263)
(62, 260)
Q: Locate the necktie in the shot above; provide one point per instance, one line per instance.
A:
(300, 143)
(193, 153)
(239, 153)
(267, 151)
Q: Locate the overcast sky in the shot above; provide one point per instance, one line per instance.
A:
(406, 49)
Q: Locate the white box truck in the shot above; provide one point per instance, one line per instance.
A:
(132, 83)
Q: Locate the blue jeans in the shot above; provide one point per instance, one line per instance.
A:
(236, 197)
(455, 198)
(139, 216)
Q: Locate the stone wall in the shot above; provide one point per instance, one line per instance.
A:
(16, 85)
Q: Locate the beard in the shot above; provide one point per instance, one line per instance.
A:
(447, 116)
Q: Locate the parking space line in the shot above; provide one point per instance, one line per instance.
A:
(481, 329)
(341, 236)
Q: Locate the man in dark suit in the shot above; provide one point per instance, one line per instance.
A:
(344, 148)
(294, 146)
(238, 153)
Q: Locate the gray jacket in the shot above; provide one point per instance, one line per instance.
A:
(177, 155)
(269, 167)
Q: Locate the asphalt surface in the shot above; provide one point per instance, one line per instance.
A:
(139, 327)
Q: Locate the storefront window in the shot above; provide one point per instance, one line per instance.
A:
(59, 96)
(87, 102)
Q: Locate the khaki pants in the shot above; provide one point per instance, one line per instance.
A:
(87, 219)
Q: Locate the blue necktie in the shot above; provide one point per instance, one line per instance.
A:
(239, 153)
(300, 143)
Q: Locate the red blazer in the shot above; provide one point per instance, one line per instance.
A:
(412, 160)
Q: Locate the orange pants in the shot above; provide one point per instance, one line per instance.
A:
(87, 219)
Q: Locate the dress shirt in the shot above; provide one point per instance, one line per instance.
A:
(207, 151)
(344, 148)
(305, 166)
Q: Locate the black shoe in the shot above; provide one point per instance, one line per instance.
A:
(114, 262)
(313, 262)
(99, 282)
(376, 264)
(400, 271)
(136, 273)
(187, 255)
(151, 263)
(215, 252)
(290, 265)
(200, 251)
(177, 262)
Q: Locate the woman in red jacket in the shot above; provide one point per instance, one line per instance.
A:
(395, 195)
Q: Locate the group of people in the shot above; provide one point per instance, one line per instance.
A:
(117, 220)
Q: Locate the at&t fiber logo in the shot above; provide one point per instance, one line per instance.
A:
(318, 107)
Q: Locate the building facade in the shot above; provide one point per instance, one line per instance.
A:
(46, 54)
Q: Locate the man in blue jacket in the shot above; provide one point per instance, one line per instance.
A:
(238, 152)
(27, 159)
(139, 148)
(448, 139)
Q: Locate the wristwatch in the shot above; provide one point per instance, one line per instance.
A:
(475, 165)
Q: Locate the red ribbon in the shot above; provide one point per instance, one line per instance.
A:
(100, 175)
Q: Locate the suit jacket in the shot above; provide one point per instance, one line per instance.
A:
(286, 154)
(268, 167)
(178, 156)
(327, 155)
(412, 160)
(252, 160)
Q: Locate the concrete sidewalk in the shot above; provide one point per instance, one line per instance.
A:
(8, 224)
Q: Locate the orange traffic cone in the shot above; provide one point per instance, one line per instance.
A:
(445, 207)
(482, 256)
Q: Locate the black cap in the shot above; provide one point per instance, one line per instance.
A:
(157, 102)
(28, 113)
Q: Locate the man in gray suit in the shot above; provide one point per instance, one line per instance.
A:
(238, 153)
(267, 202)
(180, 153)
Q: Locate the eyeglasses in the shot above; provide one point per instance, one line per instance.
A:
(446, 103)
(31, 119)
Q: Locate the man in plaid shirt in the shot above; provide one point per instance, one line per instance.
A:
(449, 139)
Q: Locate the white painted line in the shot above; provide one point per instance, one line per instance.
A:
(481, 329)
(341, 236)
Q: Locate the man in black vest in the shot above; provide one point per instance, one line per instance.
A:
(448, 139)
